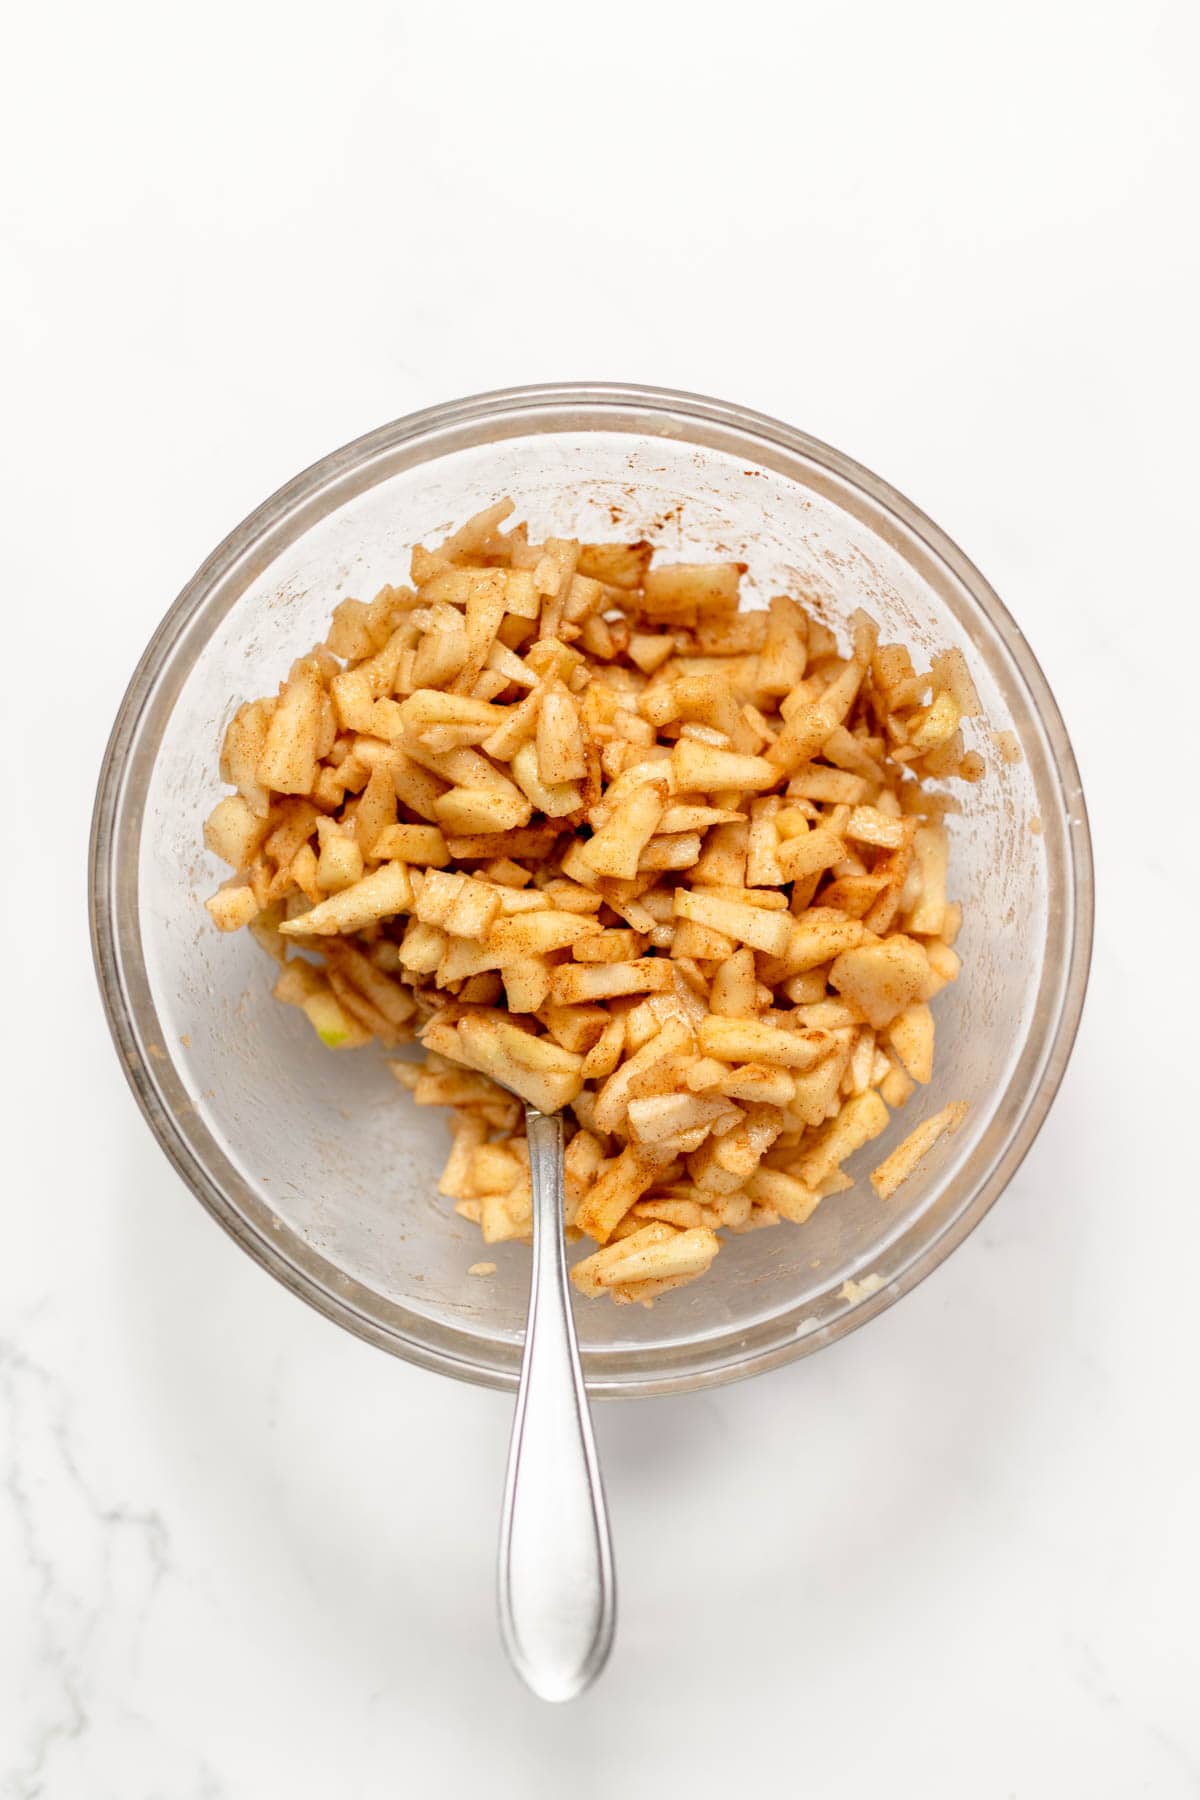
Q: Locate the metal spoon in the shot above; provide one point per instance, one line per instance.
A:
(557, 1592)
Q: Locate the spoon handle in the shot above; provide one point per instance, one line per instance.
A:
(556, 1588)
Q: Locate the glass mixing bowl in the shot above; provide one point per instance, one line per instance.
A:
(318, 1164)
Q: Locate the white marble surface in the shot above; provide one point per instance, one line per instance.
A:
(241, 1555)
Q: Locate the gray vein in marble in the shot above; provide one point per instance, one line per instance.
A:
(1094, 1679)
(42, 1472)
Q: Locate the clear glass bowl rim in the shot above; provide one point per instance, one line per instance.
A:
(125, 993)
